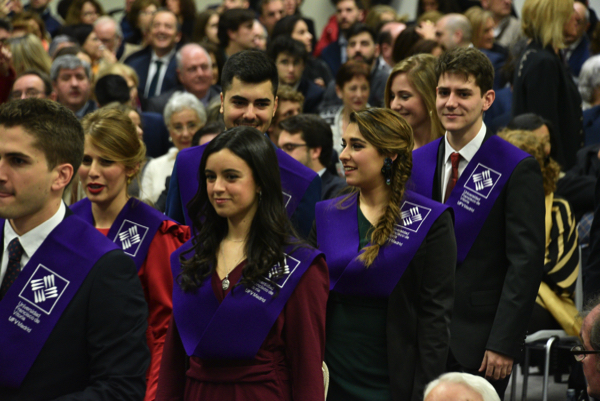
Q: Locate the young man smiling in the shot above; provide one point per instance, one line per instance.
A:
(249, 81)
(497, 194)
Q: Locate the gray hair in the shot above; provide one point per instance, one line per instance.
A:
(68, 62)
(455, 22)
(589, 78)
(178, 55)
(476, 383)
(180, 101)
(59, 40)
(106, 19)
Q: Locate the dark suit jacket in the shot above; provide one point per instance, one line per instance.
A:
(497, 283)
(156, 134)
(313, 95)
(97, 350)
(331, 185)
(579, 55)
(332, 55)
(157, 104)
(543, 86)
(591, 125)
(140, 62)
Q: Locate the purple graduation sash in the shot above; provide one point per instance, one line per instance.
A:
(133, 230)
(237, 327)
(295, 178)
(338, 238)
(42, 291)
(477, 188)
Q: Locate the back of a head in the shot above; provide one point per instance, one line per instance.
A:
(111, 88)
(589, 80)
(249, 66)
(544, 20)
(467, 61)
(56, 130)
(404, 42)
(470, 384)
(458, 22)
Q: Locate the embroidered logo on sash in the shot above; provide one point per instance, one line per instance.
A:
(279, 272)
(130, 236)
(286, 198)
(413, 216)
(44, 288)
(482, 180)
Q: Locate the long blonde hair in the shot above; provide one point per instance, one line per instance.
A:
(390, 134)
(29, 54)
(544, 20)
(420, 70)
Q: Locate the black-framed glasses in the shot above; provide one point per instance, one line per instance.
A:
(290, 147)
(579, 353)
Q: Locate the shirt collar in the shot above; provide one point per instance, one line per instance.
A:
(166, 58)
(469, 150)
(31, 240)
(322, 171)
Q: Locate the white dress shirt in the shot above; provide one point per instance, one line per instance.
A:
(166, 59)
(466, 153)
(31, 240)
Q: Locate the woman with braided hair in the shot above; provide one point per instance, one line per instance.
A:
(391, 256)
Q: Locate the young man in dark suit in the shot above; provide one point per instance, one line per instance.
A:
(72, 310)
(249, 98)
(497, 194)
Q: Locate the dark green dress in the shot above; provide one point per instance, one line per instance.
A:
(356, 347)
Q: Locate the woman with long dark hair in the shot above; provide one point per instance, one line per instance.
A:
(391, 255)
(249, 300)
(111, 161)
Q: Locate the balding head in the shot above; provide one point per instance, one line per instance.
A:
(453, 30)
(457, 386)
(194, 69)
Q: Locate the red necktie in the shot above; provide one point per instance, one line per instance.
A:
(454, 158)
(15, 251)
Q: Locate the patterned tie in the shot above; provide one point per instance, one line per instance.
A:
(15, 251)
(454, 158)
(154, 82)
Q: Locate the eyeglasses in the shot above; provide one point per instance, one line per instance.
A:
(579, 353)
(17, 94)
(290, 147)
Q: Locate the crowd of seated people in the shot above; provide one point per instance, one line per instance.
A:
(302, 166)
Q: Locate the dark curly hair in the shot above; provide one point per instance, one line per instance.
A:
(270, 231)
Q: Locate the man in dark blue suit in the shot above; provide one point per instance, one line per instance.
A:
(308, 139)
(576, 39)
(290, 57)
(155, 64)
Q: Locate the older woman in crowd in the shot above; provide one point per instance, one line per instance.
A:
(589, 87)
(184, 115)
(410, 91)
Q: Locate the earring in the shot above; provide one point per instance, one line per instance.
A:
(129, 179)
(386, 170)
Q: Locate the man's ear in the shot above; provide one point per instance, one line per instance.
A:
(338, 91)
(221, 109)
(488, 99)
(275, 105)
(315, 153)
(377, 51)
(62, 176)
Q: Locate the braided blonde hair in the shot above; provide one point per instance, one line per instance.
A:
(391, 135)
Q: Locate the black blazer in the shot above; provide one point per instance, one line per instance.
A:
(140, 62)
(97, 350)
(497, 283)
(331, 185)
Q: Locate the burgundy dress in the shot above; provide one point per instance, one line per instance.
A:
(286, 367)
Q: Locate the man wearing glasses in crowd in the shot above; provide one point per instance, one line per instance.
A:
(587, 353)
